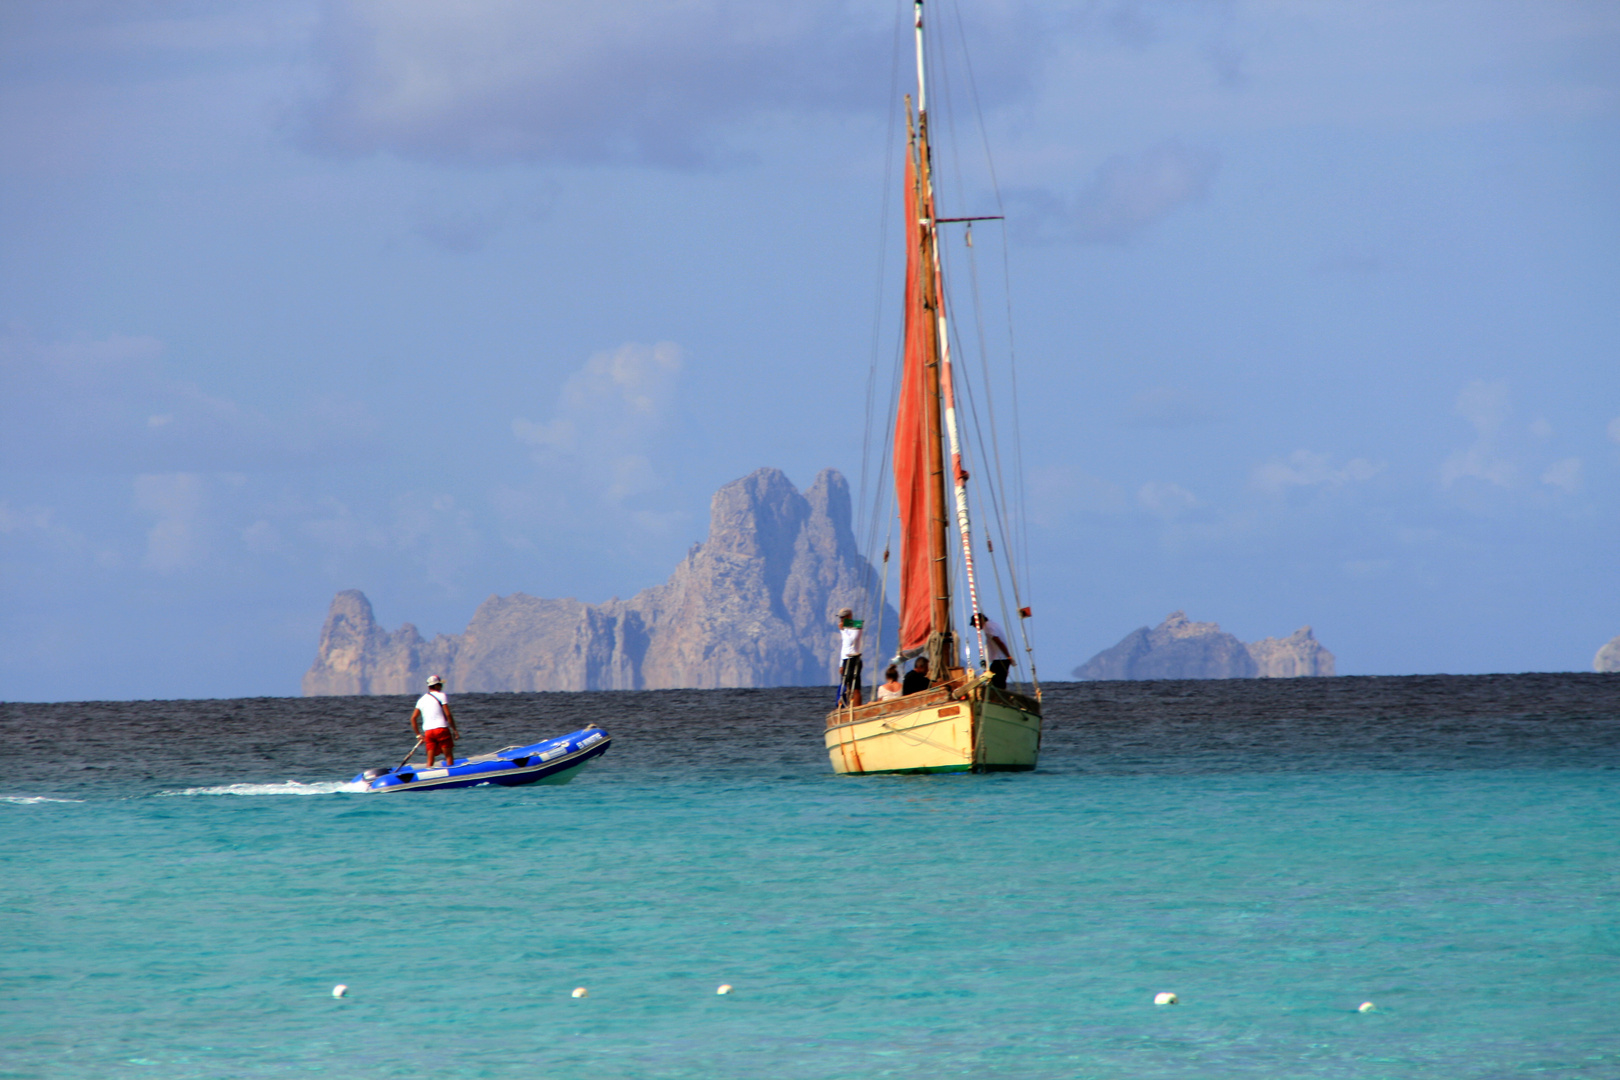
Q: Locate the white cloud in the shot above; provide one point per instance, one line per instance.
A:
(1168, 501)
(1124, 197)
(1486, 407)
(1564, 475)
(607, 419)
(1058, 491)
(176, 540)
(262, 538)
(459, 222)
(1305, 468)
(109, 405)
(439, 535)
(22, 519)
(1169, 407)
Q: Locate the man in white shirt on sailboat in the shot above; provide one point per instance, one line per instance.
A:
(849, 658)
(996, 650)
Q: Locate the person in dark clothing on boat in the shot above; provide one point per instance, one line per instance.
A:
(995, 645)
(917, 679)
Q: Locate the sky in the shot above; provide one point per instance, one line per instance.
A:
(1314, 311)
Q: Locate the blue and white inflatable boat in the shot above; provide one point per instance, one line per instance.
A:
(554, 761)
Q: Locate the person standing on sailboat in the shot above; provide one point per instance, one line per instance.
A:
(995, 645)
(849, 657)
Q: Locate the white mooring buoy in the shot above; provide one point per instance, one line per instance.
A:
(1366, 1006)
(340, 990)
(725, 988)
(1166, 998)
(580, 991)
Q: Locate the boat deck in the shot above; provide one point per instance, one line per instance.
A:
(962, 688)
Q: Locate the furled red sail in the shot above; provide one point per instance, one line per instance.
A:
(911, 480)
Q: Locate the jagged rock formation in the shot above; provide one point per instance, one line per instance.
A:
(1179, 648)
(1291, 657)
(356, 656)
(751, 606)
(1608, 657)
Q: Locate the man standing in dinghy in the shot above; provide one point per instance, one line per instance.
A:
(431, 719)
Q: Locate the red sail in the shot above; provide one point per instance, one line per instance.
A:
(911, 480)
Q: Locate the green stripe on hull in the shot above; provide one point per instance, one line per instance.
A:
(913, 772)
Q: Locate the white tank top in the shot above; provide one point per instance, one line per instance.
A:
(432, 706)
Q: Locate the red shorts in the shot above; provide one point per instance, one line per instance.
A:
(437, 740)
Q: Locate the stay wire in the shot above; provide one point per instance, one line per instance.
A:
(869, 484)
(1019, 494)
(879, 292)
(995, 519)
(997, 493)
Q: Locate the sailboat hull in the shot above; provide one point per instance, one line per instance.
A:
(979, 730)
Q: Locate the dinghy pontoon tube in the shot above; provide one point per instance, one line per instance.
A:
(554, 761)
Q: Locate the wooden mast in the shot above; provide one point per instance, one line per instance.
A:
(960, 724)
(942, 652)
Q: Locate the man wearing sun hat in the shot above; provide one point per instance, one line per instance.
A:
(432, 721)
(849, 658)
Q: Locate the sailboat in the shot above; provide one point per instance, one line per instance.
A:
(964, 721)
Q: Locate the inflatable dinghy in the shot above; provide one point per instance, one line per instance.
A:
(554, 761)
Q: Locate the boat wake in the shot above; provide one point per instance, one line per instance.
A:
(286, 787)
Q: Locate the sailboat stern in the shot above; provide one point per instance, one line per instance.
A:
(1009, 738)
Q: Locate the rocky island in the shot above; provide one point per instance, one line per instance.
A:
(1179, 648)
(750, 606)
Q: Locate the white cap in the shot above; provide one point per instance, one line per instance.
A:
(434, 680)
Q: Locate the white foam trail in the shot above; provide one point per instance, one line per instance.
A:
(32, 800)
(286, 787)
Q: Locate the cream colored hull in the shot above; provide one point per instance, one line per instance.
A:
(940, 736)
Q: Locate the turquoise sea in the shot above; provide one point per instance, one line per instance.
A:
(183, 883)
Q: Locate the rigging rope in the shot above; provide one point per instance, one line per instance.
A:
(1019, 493)
(867, 522)
(1007, 504)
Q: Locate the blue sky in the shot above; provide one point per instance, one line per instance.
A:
(1315, 306)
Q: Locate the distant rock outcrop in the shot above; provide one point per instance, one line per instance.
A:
(1287, 658)
(356, 656)
(1179, 648)
(751, 606)
(1608, 657)
(1176, 649)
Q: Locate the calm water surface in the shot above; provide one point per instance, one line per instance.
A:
(182, 883)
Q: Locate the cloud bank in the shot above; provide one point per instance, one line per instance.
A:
(109, 405)
(640, 81)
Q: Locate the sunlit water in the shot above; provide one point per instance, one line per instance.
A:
(183, 883)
